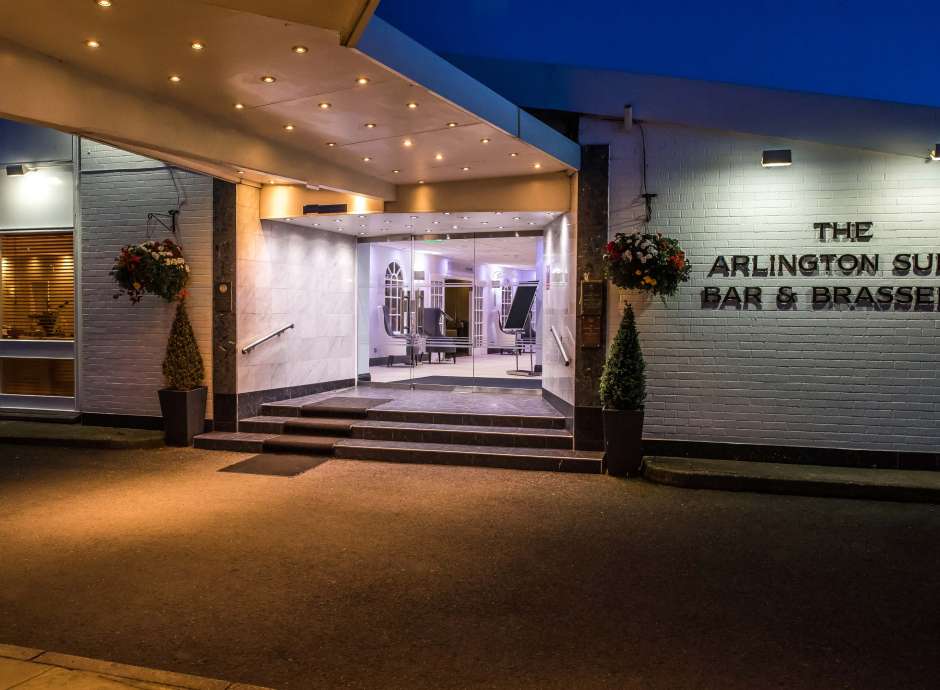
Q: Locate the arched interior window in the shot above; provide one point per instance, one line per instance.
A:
(393, 295)
(506, 300)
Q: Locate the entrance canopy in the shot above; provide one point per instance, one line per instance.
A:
(314, 93)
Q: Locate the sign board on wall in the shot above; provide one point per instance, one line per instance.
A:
(850, 264)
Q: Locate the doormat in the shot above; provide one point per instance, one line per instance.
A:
(477, 381)
(277, 464)
(340, 406)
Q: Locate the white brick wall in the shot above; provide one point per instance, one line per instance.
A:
(833, 378)
(122, 345)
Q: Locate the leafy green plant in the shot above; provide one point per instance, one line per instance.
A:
(623, 381)
(183, 367)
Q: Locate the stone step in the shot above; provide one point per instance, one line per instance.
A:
(314, 426)
(298, 443)
(519, 437)
(436, 417)
(238, 442)
(544, 459)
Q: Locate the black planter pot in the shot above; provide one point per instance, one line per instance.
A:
(623, 442)
(184, 414)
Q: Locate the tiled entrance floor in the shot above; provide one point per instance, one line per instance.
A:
(457, 401)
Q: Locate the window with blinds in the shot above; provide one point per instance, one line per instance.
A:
(37, 286)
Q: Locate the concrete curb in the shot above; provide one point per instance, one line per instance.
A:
(798, 480)
(31, 433)
(98, 444)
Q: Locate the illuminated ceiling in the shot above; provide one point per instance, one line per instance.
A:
(207, 58)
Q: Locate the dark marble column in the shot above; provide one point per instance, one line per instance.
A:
(224, 349)
(593, 190)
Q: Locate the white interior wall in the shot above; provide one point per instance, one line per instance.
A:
(559, 296)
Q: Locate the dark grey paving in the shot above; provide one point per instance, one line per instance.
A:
(276, 464)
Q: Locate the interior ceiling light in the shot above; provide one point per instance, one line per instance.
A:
(300, 50)
(396, 171)
(370, 125)
(484, 222)
(453, 227)
(465, 168)
(466, 217)
(436, 222)
(197, 45)
(338, 220)
(438, 156)
(451, 124)
(362, 81)
(331, 144)
(268, 79)
(366, 159)
(289, 127)
(516, 218)
(92, 43)
(776, 159)
(537, 166)
(324, 105)
(239, 106)
(446, 213)
(103, 3)
(484, 140)
(500, 227)
(935, 154)
(414, 217)
(407, 142)
(513, 155)
(420, 181)
(175, 78)
(240, 172)
(412, 105)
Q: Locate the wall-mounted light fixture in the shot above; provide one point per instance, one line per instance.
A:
(16, 170)
(777, 158)
(935, 153)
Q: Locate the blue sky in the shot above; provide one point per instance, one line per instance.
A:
(882, 50)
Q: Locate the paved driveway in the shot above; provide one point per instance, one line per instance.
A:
(377, 575)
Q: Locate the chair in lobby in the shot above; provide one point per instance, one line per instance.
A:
(413, 350)
(437, 340)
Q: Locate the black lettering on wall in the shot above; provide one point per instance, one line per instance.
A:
(752, 296)
(787, 264)
(756, 271)
(827, 261)
(720, 266)
(847, 263)
(864, 298)
(809, 265)
(903, 295)
(862, 231)
(711, 298)
(732, 299)
(924, 298)
(821, 297)
(902, 264)
(841, 231)
(885, 295)
(822, 227)
(739, 263)
(785, 298)
(869, 264)
(923, 270)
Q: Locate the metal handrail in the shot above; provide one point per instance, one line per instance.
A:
(561, 348)
(251, 346)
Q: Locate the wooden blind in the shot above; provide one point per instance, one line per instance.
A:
(37, 286)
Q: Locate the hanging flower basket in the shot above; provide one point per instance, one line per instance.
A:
(154, 267)
(647, 262)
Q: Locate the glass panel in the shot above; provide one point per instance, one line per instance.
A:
(37, 376)
(39, 198)
(37, 287)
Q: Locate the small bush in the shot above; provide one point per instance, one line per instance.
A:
(183, 368)
(623, 382)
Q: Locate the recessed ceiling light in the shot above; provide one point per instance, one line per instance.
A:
(497, 213)
(362, 81)
(103, 3)
(300, 50)
(239, 106)
(324, 105)
(362, 233)
(362, 225)
(420, 181)
(451, 124)
(331, 144)
(240, 172)
(500, 227)
(516, 218)
(197, 45)
(438, 156)
(466, 217)
(338, 220)
(454, 227)
(409, 226)
(361, 215)
(175, 78)
(396, 171)
(387, 222)
(268, 79)
(407, 142)
(428, 230)
(484, 222)
(484, 140)
(537, 166)
(514, 155)
(289, 127)
(414, 217)
(436, 222)
(92, 43)
(366, 159)
(531, 222)
(446, 213)
(370, 125)
(412, 105)
(517, 233)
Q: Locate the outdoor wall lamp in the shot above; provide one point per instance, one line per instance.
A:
(16, 170)
(777, 158)
(935, 153)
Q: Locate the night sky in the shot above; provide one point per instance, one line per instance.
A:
(883, 50)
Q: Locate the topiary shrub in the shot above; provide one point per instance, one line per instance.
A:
(623, 382)
(183, 368)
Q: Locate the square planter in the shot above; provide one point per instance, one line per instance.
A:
(623, 442)
(184, 414)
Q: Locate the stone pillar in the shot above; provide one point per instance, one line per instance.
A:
(593, 190)
(224, 348)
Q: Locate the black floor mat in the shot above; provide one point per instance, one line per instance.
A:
(277, 464)
(521, 382)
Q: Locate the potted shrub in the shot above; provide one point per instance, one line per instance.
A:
(622, 392)
(183, 401)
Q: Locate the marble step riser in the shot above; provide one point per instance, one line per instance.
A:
(275, 427)
(472, 438)
(467, 419)
(470, 459)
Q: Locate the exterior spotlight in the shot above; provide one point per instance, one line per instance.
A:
(935, 154)
(300, 50)
(778, 158)
(16, 170)
(268, 79)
